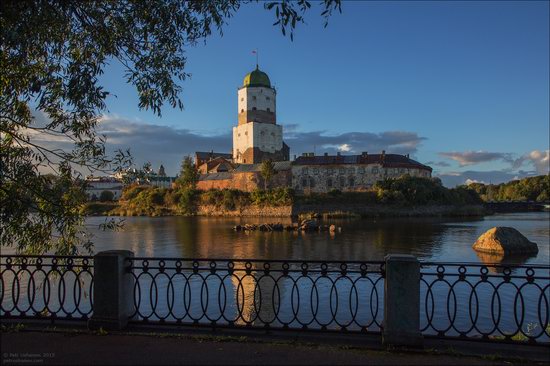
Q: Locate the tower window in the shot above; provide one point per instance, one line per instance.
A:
(242, 110)
(242, 99)
(253, 108)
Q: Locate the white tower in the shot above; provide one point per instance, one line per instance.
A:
(257, 137)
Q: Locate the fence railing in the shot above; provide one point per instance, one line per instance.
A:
(46, 286)
(260, 293)
(488, 302)
(509, 303)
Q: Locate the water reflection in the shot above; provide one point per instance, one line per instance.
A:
(503, 259)
(429, 239)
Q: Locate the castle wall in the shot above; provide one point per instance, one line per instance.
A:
(346, 177)
(246, 181)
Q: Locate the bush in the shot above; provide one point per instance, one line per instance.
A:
(106, 196)
(130, 192)
(187, 200)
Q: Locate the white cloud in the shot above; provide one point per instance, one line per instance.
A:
(475, 157)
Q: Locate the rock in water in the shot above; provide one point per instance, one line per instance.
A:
(504, 240)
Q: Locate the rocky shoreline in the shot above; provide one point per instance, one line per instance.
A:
(304, 225)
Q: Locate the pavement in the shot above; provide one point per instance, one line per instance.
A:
(36, 345)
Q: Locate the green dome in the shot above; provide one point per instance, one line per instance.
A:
(257, 78)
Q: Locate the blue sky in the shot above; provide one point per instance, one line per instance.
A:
(463, 86)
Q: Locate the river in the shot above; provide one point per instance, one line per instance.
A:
(430, 239)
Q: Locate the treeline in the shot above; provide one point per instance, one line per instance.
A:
(404, 191)
(139, 200)
(526, 189)
(184, 199)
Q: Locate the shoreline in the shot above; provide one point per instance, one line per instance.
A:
(299, 210)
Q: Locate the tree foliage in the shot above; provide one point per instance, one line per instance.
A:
(52, 56)
(526, 189)
(189, 175)
(267, 171)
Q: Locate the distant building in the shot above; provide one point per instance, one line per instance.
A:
(202, 157)
(158, 181)
(351, 172)
(216, 165)
(161, 172)
(96, 185)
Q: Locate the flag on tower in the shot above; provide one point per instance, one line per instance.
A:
(254, 52)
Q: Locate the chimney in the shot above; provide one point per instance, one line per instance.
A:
(338, 153)
(407, 155)
(294, 156)
(326, 154)
(364, 154)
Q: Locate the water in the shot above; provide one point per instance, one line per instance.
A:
(332, 300)
(430, 239)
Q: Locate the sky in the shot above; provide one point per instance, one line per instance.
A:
(461, 86)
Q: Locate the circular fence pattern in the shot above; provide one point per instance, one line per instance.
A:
(279, 294)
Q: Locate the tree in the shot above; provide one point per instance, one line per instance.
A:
(189, 176)
(52, 54)
(267, 171)
(106, 196)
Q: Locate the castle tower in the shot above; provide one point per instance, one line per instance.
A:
(257, 137)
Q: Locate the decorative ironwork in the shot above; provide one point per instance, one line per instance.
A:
(46, 286)
(346, 296)
(486, 302)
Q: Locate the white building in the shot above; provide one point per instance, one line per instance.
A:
(96, 185)
(257, 137)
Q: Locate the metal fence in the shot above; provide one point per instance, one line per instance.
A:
(494, 302)
(486, 302)
(46, 286)
(256, 293)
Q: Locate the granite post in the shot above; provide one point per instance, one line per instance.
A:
(402, 301)
(113, 296)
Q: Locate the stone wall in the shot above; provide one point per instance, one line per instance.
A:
(282, 211)
(246, 181)
(346, 177)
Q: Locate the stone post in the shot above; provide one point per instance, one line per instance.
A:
(402, 301)
(113, 296)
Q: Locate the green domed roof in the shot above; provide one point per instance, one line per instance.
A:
(257, 78)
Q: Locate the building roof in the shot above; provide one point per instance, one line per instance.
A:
(216, 176)
(256, 78)
(386, 160)
(277, 165)
(205, 155)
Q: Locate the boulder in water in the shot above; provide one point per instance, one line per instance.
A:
(504, 240)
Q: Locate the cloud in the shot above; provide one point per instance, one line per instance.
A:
(398, 142)
(540, 160)
(443, 164)
(472, 181)
(167, 145)
(476, 157)
(159, 144)
(452, 179)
